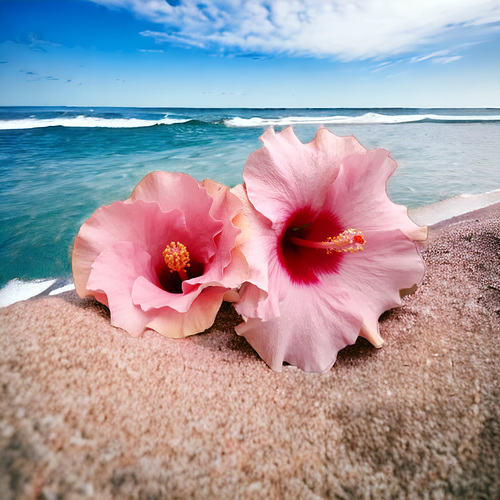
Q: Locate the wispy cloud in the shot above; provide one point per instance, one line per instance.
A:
(39, 45)
(432, 55)
(152, 51)
(385, 65)
(344, 29)
(446, 60)
(32, 76)
(438, 57)
(33, 42)
(175, 38)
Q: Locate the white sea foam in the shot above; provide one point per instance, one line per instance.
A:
(16, 290)
(65, 288)
(367, 118)
(83, 121)
(86, 122)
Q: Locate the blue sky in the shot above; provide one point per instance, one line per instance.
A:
(250, 53)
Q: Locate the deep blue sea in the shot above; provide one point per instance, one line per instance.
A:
(57, 165)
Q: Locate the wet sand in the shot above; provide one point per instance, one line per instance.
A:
(89, 412)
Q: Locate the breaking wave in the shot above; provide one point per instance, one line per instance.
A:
(83, 121)
(367, 118)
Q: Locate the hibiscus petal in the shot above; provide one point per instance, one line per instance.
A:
(374, 277)
(314, 325)
(256, 302)
(371, 332)
(285, 174)
(200, 317)
(149, 295)
(177, 191)
(114, 272)
(226, 268)
(236, 272)
(359, 196)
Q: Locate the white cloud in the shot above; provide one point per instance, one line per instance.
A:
(439, 53)
(385, 65)
(151, 51)
(439, 57)
(345, 29)
(446, 60)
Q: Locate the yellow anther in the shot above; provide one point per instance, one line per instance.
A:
(349, 241)
(177, 258)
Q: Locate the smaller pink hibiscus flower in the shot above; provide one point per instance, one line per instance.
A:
(329, 251)
(166, 257)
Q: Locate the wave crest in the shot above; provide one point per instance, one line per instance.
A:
(367, 118)
(87, 122)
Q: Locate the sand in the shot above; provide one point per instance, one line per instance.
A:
(88, 412)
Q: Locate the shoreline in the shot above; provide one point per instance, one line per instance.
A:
(17, 290)
(447, 209)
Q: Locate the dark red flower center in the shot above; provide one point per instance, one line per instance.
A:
(312, 244)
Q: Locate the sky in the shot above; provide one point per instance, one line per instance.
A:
(250, 53)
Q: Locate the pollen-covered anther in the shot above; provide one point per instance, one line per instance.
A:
(177, 258)
(349, 241)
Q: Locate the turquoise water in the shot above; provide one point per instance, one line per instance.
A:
(58, 165)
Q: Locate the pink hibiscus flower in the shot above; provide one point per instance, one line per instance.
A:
(329, 251)
(165, 258)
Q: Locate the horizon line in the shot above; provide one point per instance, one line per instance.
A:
(243, 107)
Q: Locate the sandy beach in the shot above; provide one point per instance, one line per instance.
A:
(86, 411)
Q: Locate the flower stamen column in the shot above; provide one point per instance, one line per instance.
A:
(349, 241)
(177, 259)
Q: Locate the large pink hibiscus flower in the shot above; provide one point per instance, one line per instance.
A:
(166, 257)
(329, 252)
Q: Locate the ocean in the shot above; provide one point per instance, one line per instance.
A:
(58, 165)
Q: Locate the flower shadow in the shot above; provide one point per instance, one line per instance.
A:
(360, 351)
(221, 335)
(73, 298)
